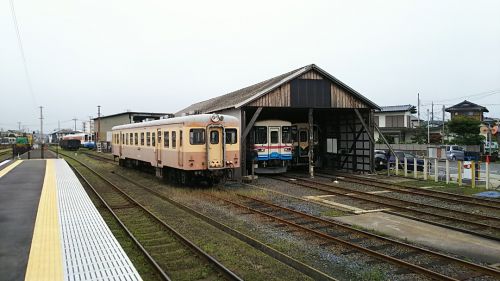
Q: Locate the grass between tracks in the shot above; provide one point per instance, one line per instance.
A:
(442, 186)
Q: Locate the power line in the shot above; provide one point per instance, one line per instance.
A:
(21, 49)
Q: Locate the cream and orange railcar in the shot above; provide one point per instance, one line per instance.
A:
(204, 146)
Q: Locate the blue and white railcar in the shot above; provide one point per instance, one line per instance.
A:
(271, 146)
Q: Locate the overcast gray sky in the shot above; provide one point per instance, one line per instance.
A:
(161, 56)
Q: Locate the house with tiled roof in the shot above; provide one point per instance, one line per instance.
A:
(467, 108)
(396, 122)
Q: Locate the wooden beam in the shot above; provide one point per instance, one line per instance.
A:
(385, 140)
(250, 124)
(368, 131)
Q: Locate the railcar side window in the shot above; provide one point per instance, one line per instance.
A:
(180, 137)
(131, 138)
(286, 136)
(294, 134)
(197, 136)
(260, 135)
(231, 136)
(159, 138)
(174, 139)
(142, 138)
(214, 137)
(136, 139)
(153, 139)
(166, 139)
(274, 137)
(148, 138)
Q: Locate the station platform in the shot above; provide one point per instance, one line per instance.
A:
(51, 230)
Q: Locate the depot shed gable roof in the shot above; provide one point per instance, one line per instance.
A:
(246, 95)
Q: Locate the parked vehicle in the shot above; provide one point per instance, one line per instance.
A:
(455, 152)
(380, 157)
(410, 161)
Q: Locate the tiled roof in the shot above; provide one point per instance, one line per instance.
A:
(393, 108)
(466, 106)
(243, 96)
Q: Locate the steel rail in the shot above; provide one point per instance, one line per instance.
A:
(349, 193)
(415, 190)
(228, 274)
(473, 266)
(304, 268)
(383, 257)
(415, 204)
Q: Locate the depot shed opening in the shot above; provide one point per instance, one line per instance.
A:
(338, 120)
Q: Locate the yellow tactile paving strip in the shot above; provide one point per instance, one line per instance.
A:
(45, 259)
(9, 168)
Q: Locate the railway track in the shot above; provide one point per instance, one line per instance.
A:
(440, 195)
(97, 157)
(487, 227)
(416, 259)
(160, 241)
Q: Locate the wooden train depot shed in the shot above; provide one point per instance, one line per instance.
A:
(308, 95)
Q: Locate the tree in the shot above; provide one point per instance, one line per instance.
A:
(465, 130)
(420, 135)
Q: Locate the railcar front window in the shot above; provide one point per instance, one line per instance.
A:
(303, 136)
(231, 136)
(274, 137)
(260, 135)
(197, 136)
(174, 139)
(214, 137)
(286, 136)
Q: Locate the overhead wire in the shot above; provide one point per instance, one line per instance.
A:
(21, 49)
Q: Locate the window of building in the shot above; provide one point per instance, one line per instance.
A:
(396, 121)
(166, 139)
(174, 139)
(214, 137)
(375, 120)
(231, 136)
(197, 136)
(142, 138)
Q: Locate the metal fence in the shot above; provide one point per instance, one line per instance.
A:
(446, 171)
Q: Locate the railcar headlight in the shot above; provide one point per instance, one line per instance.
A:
(215, 117)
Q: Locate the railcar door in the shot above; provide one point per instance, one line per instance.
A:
(215, 151)
(274, 149)
(158, 149)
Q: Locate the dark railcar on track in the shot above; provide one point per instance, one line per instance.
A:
(70, 144)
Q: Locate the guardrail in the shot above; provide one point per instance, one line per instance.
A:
(460, 172)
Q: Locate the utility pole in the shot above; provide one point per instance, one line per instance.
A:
(432, 115)
(41, 131)
(83, 126)
(19, 125)
(98, 124)
(428, 129)
(443, 126)
(74, 119)
(418, 109)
